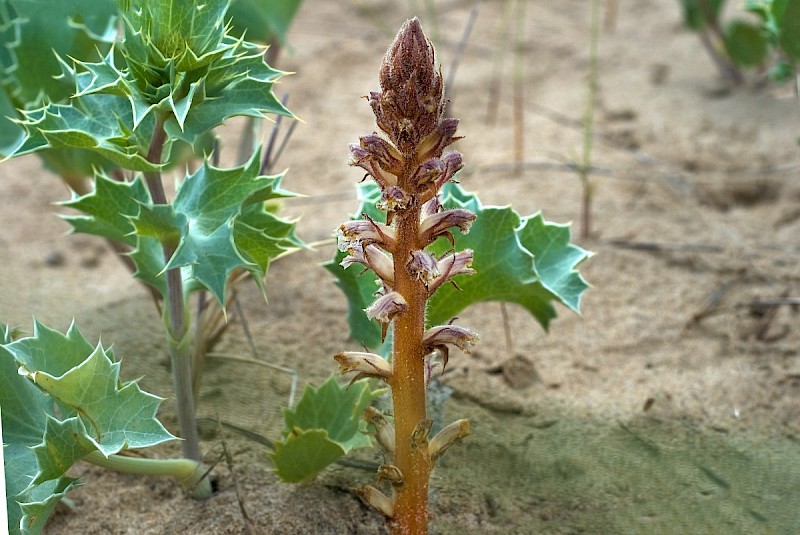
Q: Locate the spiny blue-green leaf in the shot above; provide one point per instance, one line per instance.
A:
(177, 29)
(107, 211)
(86, 127)
(223, 225)
(263, 20)
(30, 32)
(159, 222)
(24, 415)
(78, 28)
(85, 382)
(69, 397)
(326, 424)
(523, 260)
(249, 93)
(304, 454)
(111, 210)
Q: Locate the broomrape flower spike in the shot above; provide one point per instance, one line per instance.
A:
(406, 160)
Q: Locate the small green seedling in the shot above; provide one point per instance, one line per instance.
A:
(771, 42)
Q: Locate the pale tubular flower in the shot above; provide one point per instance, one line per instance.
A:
(364, 364)
(453, 264)
(366, 232)
(363, 159)
(376, 499)
(372, 257)
(439, 339)
(431, 207)
(388, 157)
(428, 172)
(437, 140)
(423, 266)
(387, 307)
(384, 431)
(393, 198)
(437, 224)
(454, 335)
(453, 163)
(447, 437)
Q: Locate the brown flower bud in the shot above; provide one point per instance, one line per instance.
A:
(412, 101)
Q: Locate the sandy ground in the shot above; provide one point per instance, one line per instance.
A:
(670, 406)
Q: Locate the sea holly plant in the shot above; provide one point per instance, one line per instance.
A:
(63, 401)
(434, 250)
(175, 75)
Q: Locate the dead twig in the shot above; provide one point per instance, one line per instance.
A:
(248, 522)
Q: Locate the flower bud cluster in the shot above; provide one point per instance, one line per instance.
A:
(409, 163)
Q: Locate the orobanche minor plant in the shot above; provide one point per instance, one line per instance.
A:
(426, 272)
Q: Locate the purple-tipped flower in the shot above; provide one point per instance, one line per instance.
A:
(386, 307)
(423, 266)
(372, 257)
(436, 142)
(428, 173)
(382, 152)
(364, 364)
(438, 224)
(440, 339)
(363, 159)
(393, 199)
(454, 335)
(453, 264)
(366, 232)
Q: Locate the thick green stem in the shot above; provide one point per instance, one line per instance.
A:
(190, 474)
(176, 317)
(408, 385)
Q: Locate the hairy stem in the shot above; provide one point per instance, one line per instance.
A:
(408, 383)
(176, 317)
(190, 474)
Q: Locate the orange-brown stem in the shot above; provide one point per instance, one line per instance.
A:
(408, 384)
